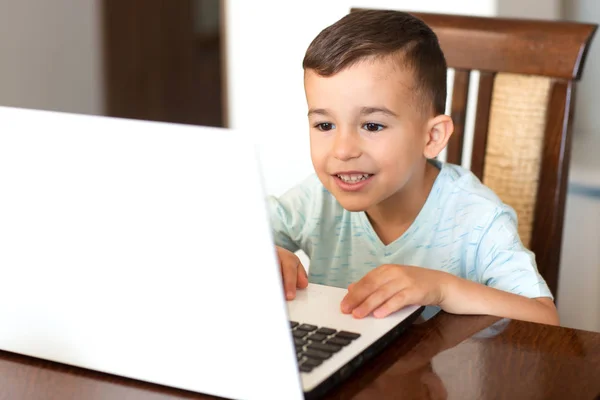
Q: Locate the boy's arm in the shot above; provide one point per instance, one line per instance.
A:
(389, 288)
(466, 297)
(283, 218)
(281, 226)
(504, 283)
(288, 214)
(513, 286)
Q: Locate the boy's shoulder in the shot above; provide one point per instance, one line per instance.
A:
(467, 184)
(461, 191)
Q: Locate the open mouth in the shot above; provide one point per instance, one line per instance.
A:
(353, 178)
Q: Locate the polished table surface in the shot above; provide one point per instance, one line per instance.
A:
(447, 357)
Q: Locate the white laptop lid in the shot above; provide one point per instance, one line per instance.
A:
(109, 260)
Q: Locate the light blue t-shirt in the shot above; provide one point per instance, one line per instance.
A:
(463, 229)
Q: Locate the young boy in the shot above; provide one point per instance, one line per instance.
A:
(382, 217)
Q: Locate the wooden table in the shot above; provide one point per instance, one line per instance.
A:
(453, 357)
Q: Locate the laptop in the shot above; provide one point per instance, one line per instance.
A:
(143, 249)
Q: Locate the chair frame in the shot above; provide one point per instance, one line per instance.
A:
(554, 49)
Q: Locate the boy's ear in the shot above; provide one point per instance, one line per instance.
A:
(439, 130)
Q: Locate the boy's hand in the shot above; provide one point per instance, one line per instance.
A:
(292, 271)
(389, 288)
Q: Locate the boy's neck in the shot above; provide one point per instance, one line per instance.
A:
(392, 217)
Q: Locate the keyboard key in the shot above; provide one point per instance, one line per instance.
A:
(319, 355)
(305, 368)
(326, 331)
(347, 335)
(300, 342)
(299, 334)
(317, 337)
(314, 345)
(338, 341)
(307, 327)
(312, 362)
(329, 348)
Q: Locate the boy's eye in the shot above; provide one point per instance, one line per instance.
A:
(373, 127)
(325, 126)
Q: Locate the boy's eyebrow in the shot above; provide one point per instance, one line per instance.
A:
(372, 110)
(318, 111)
(363, 111)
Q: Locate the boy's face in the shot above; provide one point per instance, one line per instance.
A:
(367, 133)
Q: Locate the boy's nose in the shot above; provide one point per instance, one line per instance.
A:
(346, 146)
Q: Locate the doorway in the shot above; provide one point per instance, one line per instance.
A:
(163, 60)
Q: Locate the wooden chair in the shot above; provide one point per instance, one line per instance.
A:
(524, 113)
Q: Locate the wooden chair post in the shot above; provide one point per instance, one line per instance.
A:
(517, 49)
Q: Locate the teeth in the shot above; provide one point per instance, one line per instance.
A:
(353, 178)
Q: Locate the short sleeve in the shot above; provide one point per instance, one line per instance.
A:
(504, 263)
(288, 214)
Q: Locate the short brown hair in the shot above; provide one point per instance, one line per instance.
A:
(380, 33)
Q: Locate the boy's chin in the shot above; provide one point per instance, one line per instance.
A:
(354, 205)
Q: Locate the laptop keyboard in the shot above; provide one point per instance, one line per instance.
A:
(315, 345)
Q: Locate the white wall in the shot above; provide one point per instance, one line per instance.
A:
(579, 291)
(587, 135)
(536, 9)
(265, 93)
(265, 45)
(266, 41)
(51, 59)
(51, 55)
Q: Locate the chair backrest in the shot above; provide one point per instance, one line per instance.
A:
(521, 142)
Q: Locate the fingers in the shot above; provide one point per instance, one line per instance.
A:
(397, 302)
(289, 281)
(289, 271)
(301, 277)
(359, 291)
(292, 271)
(377, 298)
(357, 295)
